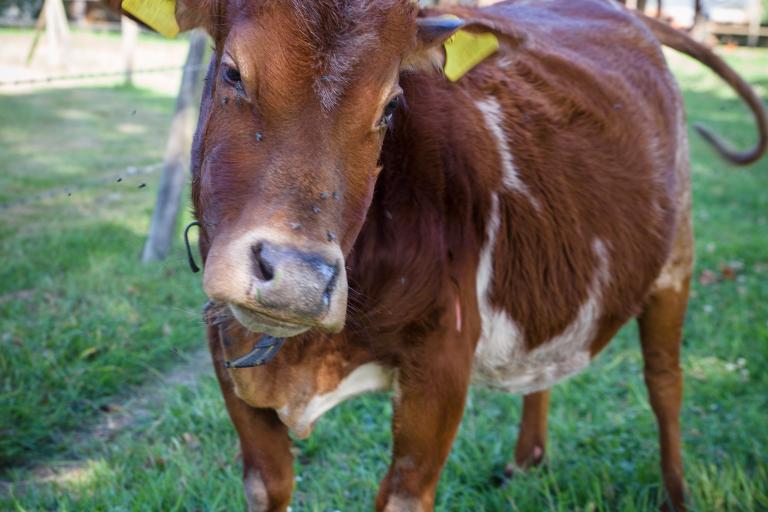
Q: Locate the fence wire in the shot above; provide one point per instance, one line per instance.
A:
(91, 75)
(69, 190)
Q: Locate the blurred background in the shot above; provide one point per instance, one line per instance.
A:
(108, 401)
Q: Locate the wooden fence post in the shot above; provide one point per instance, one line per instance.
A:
(77, 11)
(56, 30)
(700, 29)
(52, 18)
(177, 154)
(130, 36)
(755, 17)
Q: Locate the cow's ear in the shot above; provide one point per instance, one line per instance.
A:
(454, 45)
(431, 33)
(192, 14)
(169, 17)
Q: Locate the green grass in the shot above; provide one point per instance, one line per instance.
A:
(79, 257)
(89, 133)
(80, 318)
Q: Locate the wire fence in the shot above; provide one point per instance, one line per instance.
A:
(113, 177)
(92, 75)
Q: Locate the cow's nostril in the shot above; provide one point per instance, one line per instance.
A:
(263, 269)
(329, 289)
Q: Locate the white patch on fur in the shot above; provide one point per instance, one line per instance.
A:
(678, 267)
(500, 334)
(672, 277)
(255, 492)
(504, 63)
(398, 503)
(364, 379)
(494, 120)
(501, 359)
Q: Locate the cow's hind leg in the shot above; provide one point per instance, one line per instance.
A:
(532, 439)
(661, 324)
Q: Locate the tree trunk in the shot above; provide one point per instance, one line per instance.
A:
(176, 164)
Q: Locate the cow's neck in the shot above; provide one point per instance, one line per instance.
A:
(425, 224)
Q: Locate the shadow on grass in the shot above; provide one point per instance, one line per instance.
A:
(61, 137)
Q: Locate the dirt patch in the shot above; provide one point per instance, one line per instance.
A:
(20, 295)
(120, 416)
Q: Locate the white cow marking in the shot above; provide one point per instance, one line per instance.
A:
(501, 360)
(494, 120)
(500, 334)
(677, 268)
(504, 63)
(398, 503)
(364, 379)
(255, 492)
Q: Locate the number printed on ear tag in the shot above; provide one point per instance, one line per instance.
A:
(157, 14)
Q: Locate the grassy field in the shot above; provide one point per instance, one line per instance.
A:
(82, 324)
(80, 318)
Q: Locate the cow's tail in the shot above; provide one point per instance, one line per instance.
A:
(681, 42)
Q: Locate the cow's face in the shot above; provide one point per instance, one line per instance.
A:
(299, 96)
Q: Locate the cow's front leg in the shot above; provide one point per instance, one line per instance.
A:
(428, 406)
(264, 441)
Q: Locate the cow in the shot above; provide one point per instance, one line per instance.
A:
(367, 224)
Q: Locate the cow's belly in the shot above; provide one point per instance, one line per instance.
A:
(501, 361)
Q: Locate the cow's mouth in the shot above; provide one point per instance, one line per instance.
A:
(260, 322)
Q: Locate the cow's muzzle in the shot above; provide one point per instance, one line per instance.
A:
(278, 289)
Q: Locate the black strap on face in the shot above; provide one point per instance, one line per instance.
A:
(262, 353)
(192, 263)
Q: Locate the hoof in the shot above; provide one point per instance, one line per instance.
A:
(532, 459)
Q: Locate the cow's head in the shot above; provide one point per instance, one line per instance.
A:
(299, 96)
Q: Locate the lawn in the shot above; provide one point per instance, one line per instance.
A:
(80, 318)
(88, 333)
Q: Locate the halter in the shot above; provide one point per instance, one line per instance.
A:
(262, 353)
(192, 264)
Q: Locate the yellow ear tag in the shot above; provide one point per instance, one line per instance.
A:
(158, 14)
(465, 50)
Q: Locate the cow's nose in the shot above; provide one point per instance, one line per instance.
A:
(291, 282)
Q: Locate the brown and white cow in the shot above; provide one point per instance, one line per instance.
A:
(412, 234)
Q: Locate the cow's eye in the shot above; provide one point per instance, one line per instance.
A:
(389, 113)
(231, 76)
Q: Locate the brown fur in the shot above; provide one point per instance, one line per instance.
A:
(590, 115)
